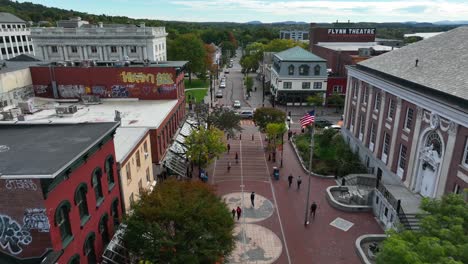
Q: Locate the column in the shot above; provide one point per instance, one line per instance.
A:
(368, 114)
(446, 162)
(80, 52)
(104, 49)
(65, 52)
(124, 48)
(22, 44)
(99, 48)
(412, 162)
(395, 131)
(145, 52)
(380, 122)
(45, 53)
(357, 125)
(12, 47)
(85, 52)
(347, 103)
(120, 52)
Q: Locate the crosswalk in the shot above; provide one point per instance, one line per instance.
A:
(247, 122)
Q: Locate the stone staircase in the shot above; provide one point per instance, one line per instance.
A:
(410, 221)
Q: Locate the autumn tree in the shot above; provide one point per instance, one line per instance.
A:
(266, 115)
(180, 222)
(442, 238)
(188, 47)
(204, 144)
(275, 132)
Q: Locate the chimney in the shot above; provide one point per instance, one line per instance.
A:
(101, 24)
(416, 64)
(117, 117)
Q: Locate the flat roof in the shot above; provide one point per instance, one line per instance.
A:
(423, 35)
(354, 46)
(119, 64)
(133, 112)
(125, 140)
(45, 150)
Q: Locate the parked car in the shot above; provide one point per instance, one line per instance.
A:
(237, 104)
(335, 127)
(230, 65)
(219, 94)
(222, 85)
(226, 71)
(321, 123)
(248, 114)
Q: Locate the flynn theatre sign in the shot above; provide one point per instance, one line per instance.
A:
(351, 31)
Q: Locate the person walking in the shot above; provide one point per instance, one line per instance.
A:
(228, 147)
(313, 208)
(240, 136)
(229, 166)
(233, 212)
(252, 199)
(239, 212)
(299, 181)
(290, 180)
(237, 158)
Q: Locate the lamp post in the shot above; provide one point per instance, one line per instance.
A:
(306, 218)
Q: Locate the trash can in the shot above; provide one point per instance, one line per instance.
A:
(276, 173)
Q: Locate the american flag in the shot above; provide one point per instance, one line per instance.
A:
(308, 118)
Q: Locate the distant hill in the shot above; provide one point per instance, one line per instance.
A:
(450, 22)
(256, 22)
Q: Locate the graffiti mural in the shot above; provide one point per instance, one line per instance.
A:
(140, 77)
(121, 90)
(36, 218)
(146, 90)
(12, 236)
(20, 185)
(40, 89)
(164, 79)
(166, 88)
(71, 91)
(99, 90)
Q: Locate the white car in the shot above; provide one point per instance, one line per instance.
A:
(336, 127)
(237, 104)
(222, 85)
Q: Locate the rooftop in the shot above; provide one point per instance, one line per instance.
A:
(10, 18)
(45, 150)
(20, 62)
(297, 54)
(135, 64)
(423, 35)
(133, 112)
(353, 46)
(442, 63)
(125, 140)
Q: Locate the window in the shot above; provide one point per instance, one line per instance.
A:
(109, 168)
(23, 38)
(401, 161)
(148, 178)
(409, 118)
(317, 70)
(138, 161)
(365, 95)
(456, 189)
(361, 128)
(132, 199)
(304, 70)
(62, 220)
(133, 49)
(140, 186)
(351, 126)
(93, 49)
(385, 147)
(291, 70)
(287, 85)
(145, 149)
(88, 248)
(74, 49)
(386, 212)
(115, 213)
(377, 102)
(129, 173)
(306, 85)
(97, 186)
(372, 137)
(104, 230)
(317, 85)
(465, 155)
(54, 49)
(113, 49)
(75, 259)
(391, 109)
(82, 203)
(377, 199)
(337, 88)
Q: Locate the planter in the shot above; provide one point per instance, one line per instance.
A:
(298, 155)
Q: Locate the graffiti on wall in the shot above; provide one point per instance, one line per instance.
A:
(71, 90)
(121, 90)
(12, 236)
(166, 88)
(20, 185)
(40, 89)
(36, 218)
(99, 90)
(140, 77)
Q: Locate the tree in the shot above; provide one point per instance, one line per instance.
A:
(188, 47)
(248, 83)
(265, 115)
(275, 132)
(315, 100)
(204, 144)
(180, 222)
(442, 238)
(225, 120)
(228, 49)
(337, 100)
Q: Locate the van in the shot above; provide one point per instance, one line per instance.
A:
(247, 114)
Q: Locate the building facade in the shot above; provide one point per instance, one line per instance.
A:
(102, 42)
(66, 197)
(408, 119)
(297, 74)
(296, 35)
(15, 37)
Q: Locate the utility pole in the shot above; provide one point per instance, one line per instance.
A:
(306, 219)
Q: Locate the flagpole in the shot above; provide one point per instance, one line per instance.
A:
(306, 218)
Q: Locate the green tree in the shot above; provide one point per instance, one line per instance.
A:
(204, 144)
(442, 238)
(228, 49)
(275, 132)
(413, 39)
(225, 120)
(188, 47)
(315, 100)
(180, 222)
(337, 100)
(248, 82)
(265, 115)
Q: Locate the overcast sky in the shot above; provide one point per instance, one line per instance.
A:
(273, 10)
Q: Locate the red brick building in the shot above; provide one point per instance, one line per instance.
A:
(59, 192)
(406, 117)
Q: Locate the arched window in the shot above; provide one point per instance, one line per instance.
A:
(317, 70)
(75, 259)
(434, 140)
(62, 220)
(103, 229)
(109, 169)
(97, 186)
(115, 212)
(304, 70)
(88, 248)
(291, 69)
(81, 202)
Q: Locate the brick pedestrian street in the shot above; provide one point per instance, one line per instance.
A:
(274, 232)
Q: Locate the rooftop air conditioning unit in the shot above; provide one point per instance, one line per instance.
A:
(6, 116)
(364, 52)
(66, 110)
(28, 107)
(91, 99)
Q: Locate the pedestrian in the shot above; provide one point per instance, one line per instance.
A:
(299, 181)
(229, 166)
(290, 179)
(289, 135)
(313, 208)
(240, 136)
(252, 137)
(228, 147)
(252, 199)
(237, 158)
(233, 212)
(255, 88)
(239, 212)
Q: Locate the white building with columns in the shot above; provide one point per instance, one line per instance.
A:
(15, 37)
(101, 42)
(406, 115)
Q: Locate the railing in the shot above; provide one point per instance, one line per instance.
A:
(147, 31)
